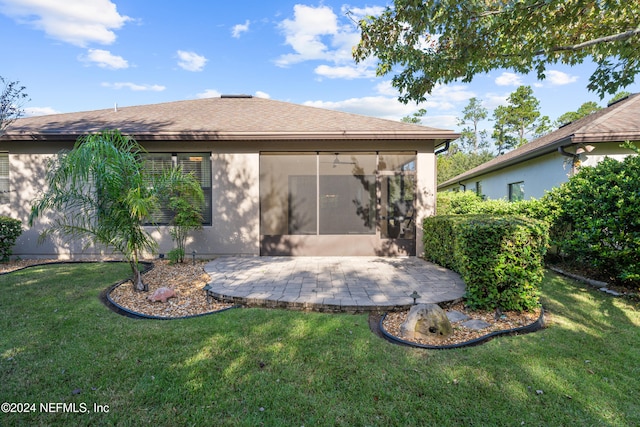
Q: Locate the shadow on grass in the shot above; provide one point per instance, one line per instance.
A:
(276, 367)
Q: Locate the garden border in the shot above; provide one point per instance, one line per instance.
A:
(533, 327)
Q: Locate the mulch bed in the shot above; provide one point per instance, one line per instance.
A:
(507, 321)
(186, 279)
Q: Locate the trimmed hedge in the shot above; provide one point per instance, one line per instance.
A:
(500, 258)
(10, 230)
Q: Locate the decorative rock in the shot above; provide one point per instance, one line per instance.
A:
(426, 321)
(476, 324)
(456, 316)
(162, 295)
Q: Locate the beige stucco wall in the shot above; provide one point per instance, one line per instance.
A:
(235, 190)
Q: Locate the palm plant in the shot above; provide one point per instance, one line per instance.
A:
(98, 192)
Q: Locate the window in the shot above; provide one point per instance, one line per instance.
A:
(516, 191)
(4, 178)
(477, 188)
(198, 164)
(329, 193)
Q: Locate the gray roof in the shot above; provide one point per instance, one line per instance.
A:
(223, 118)
(618, 122)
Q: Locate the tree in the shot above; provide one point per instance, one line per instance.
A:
(500, 134)
(523, 112)
(183, 194)
(415, 118)
(618, 96)
(12, 99)
(440, 41)
(571, 116)
(455, 162)
(471, 137)
(98, 191)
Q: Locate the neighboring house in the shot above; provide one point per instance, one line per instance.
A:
(538, 166)
(279, 178)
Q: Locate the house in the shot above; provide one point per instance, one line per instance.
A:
(538, 166)
(279, 178)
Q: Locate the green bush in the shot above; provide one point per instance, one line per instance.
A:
(10, 230)
(500, 258)
(595, 218)
(469, 203)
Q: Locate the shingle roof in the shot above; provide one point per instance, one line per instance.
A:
(224, 118)
(617, 123)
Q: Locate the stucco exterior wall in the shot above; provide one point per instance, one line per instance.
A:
(235, 193)
(425, 189)
(540, 174)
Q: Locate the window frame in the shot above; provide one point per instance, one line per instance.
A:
(513, 197)
(5, 182)
(207, 187)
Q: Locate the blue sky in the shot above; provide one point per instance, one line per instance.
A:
(77, 55)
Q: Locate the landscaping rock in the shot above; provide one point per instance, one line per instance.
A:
(476, 324)
(426, 321)
(456, 316)
(162, 295)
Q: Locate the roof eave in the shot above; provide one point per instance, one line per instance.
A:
(245, 136)
(547, 149)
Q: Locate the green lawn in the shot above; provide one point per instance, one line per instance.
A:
(60, 345)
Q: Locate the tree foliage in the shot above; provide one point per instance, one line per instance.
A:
(12, 99)
(471, 138)
(98, 192)
(519, 118)
(455, 162)
(431, 42)
(571, 116)
(415, 118)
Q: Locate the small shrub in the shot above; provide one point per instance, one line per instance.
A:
(500, 258)
(176, 255)
(10, 230)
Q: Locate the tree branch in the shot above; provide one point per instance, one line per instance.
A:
(579, 46)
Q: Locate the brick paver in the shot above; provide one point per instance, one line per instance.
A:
(335, 284)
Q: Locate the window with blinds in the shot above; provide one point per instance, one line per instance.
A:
(198, 164)
(4, 178)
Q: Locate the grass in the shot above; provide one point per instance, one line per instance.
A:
(59, 344)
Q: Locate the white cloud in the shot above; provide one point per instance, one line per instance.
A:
(78, 22)
(508, 79)
(358, 13)
(238, 29)
(559, 78)
(191, 61)
(315, 34)
(492, 100)
(209, 93)
(39, 111)
(375, 106)
(135, 87)
(386, 88)
(260, 94)
(304, 33)
(105, 59)
(344, 72)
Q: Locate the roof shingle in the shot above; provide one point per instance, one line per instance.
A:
(224, 118)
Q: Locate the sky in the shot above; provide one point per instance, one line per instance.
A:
(81, 55)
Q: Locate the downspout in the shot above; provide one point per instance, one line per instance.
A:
(572, 156)
(443, 149)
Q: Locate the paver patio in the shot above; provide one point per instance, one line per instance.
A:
(349, 284)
